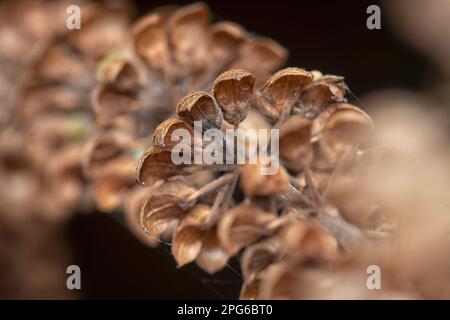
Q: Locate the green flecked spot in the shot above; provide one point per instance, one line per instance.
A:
(103, 64)
(79, 130)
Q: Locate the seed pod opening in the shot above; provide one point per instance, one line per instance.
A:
(150, 41)
(281, 91)
(200, 106)
(233, 90)
(186, 26)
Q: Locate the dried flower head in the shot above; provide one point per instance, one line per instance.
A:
(270, 216)
(173, 51)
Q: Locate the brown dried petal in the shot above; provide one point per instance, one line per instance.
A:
(213, 256)
(261, 56)
(254, 183)
(150, 40)
(282, 90)
(295, 142)
(187, 34)
(200, 106)
(242, 226)
(163, 205)
(188, 239)
(233, 90)
(225, 39)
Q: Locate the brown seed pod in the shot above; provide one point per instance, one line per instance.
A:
(162, 137)
(200, 106)
(243, 225)
(342, 127)
(112, 182)
(123, 73)
(188, 238)
(295, 142)
(186, 26)
(213, 256)
(110, 101)
(132, 207)
(282, 90)
(157, 163)
(150, 41)
(260, 56)
(103, 148)
(318, 95)
(233, 90)
(255, 183)
(225, 39)
(259, 256)
(163, 205)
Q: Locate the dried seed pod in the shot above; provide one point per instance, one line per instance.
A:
(65, 175)
(150, 41)
(259, 256)
(103, 148)
(60, 64)
(213, 257)
(112, 182)
(261, 56)
(133, 204)
(318, 95)
(282, 90)
(295, 142)
(343, 126)
(243, 225)
(157, 163)
(163, 205)
(225, 39)
(255, 183)
(162, 137)
(233, 90)
(188, 238)
(308, 240)
(200, 106)
(186, 26)
(108, 100)
(121, 72)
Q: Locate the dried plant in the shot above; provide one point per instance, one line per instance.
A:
(174, 50)
(46, 74)
(313, 214)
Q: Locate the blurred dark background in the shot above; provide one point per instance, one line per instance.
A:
(330, 36)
